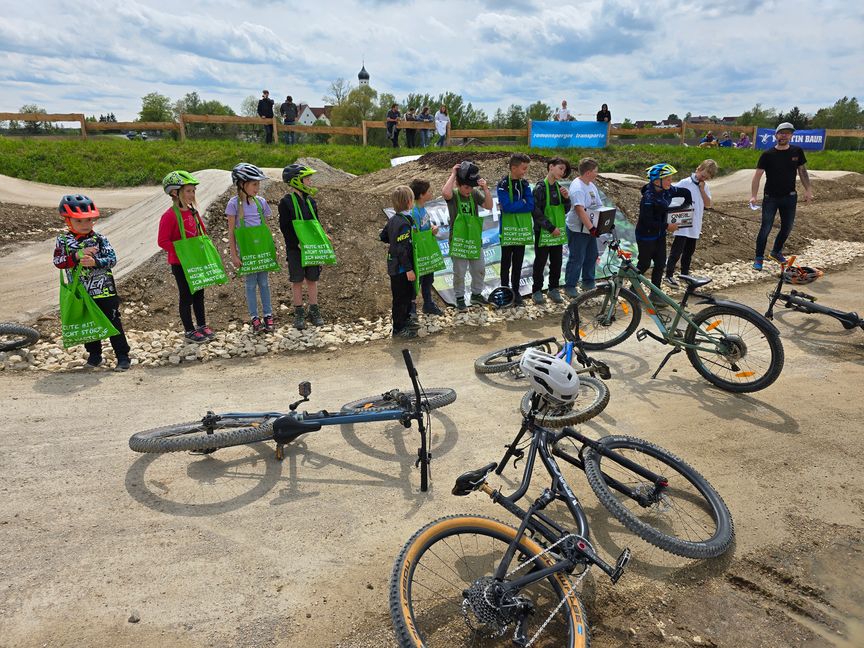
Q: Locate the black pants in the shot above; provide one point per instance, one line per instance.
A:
(683, 248)
(652, 251)
(188, 301)
(426, 282)
(393, 136)
(410, 135)
(111, 307)
(511, 266)
(403, 297)
(554, 255)
(268, 134)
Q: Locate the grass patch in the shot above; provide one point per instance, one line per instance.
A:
(122, 163)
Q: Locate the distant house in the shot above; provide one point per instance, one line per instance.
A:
(670, 123)
(699, 119)
(309, 115)
(645, 123)
(729, 121)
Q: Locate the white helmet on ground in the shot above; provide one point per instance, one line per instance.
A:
(551, 377)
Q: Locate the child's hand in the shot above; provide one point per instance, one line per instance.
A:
(454, 169)
(90, 251)
(672, 227)
(564, 192)
(556, 232)
(411, 276)
(88, 261)
(235, 259)
(482, 184)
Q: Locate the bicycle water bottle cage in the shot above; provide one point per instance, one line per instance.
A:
(470, 481)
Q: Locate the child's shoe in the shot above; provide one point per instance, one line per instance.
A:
(299, 318)
(757, 263)
(432, 309)
(123, 364)
(518, 301)
(257, 325)
(538, 297)
(571, 291)
(477, 299)
(93, 361)
(555, 296)
(671, 281)
(315, 315)
(195, 336)
(269, 324)
(207, 332)
(406, 332)
(778, 257)
(460, 304)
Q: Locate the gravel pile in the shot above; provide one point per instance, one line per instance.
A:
(166, 348)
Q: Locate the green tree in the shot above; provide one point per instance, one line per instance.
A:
(360, 104)
(155, 107)
(674, 119)
(758, 116)
(795, 117)
(33, 127)
(337, 92)
(846, 113)
(539, 111)
(499, 119)
(628, 125)
(249, 106)
(474, 117)
(516, 117)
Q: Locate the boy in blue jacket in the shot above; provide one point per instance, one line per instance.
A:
(651, 227)
(516, 203)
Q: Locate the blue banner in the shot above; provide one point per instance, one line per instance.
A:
(810, 140)
(569, 134)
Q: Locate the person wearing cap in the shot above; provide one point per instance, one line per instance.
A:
(779, 165)
(265, 110)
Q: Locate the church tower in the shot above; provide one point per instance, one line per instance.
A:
(363, 76)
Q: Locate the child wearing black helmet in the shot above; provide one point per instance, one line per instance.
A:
(84, 247)
(299, 204)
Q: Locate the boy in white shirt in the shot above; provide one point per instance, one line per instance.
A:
(684, 241)
(581, 233)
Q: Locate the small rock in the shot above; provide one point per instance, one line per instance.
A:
(134, 617)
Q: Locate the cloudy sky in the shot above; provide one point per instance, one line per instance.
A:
(645, 59)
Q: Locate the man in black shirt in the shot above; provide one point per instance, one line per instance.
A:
(265, 109)
(780, 166)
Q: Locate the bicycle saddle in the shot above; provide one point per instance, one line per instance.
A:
(695, 282)
(472, 480)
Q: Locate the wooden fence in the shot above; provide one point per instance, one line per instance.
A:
(363, 130)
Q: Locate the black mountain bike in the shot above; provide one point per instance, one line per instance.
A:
(470, 580)
(213, 431)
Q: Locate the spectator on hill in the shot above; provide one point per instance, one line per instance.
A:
(265, 110)
(603, 115)
(410, 133)
(392, 125)
(426, 133)
(709, 141)
(442, 121)
(288, 110)
(563, 113)
(743, 141)
(725, 140)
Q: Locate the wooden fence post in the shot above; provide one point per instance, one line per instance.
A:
(530, 121)
(608, 133)
(447, 134)
(83, 126)
(365, 133)
(683, 131)
(275, 130)
(182, 128)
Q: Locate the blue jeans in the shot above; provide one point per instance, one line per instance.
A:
(441, 139)
(582, 260)
(261, 282)
(770, 206)
(425, 136)
(290, 136)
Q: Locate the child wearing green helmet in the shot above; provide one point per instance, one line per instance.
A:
(180, 186)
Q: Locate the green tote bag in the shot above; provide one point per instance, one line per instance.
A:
(80, 318)
(315, 247)
(516, 228)
(557, 216)
(199, 259)
(255, 244)
(427, 255)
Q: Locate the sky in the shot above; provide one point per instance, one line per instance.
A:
(645, 59)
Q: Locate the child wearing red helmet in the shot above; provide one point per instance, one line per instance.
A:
(82, 246)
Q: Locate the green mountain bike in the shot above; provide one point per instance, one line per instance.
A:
(731, 345)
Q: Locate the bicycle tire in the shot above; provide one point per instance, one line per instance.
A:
(444, 623)
(491, 363)
(736, 367)
(717, 526)
(16, 336)
(435, 397)
(193, 436)
(594, 320)
(592, 399)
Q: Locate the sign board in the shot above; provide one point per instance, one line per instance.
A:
(809, 140)
(569, 134)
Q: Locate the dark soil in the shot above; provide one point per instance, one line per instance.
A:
(25, 224)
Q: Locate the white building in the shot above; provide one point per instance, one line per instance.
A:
(307, 115)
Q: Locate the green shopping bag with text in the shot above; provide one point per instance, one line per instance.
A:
(199, 259)
(467, 228)
(81, 319)
(315, 247)
(556, 216)
(427, 255)
(516, 228)
(255, 244)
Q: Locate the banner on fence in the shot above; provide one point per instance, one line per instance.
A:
(570, 134)
(443, 284)
(810, 140)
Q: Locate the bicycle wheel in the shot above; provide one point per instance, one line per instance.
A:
(504, 359)
(746, 353)
(455, 554)
(690, 519)
(16, 336)
(193, 436)
(592, 399)
(601, 324)
(435, 397)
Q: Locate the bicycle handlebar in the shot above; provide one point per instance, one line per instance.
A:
(412, 373)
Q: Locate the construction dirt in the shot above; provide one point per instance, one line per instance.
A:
(351, 209)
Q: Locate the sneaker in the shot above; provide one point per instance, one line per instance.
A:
(757, 263)
(405, 333)
(478, 299)
(460, 304)
(257, 325)
(299, 318)
(314, 315)
(93, 361)
(195, 336)
(123, 364)
(571, 291)
(778, 257)
(518, 301)
(671, 281)
(269, 324)
(555, 295)
(207, 332)
(432, 309)
(538, 297)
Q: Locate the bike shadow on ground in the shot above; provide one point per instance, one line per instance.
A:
(507, 380)
(820, 335)
(205, 485)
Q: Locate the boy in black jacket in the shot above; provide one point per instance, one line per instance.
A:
(400, 261)
(651, 227)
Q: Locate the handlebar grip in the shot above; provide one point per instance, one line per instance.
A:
(409, 363)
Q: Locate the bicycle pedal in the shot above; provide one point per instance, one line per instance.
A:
(620, 566)
(641, 334)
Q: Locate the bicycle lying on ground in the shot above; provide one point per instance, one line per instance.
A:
(593, 392)
(801, 301)
(16, 336)
(213, 431)
(469, 580)
(729, 344)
